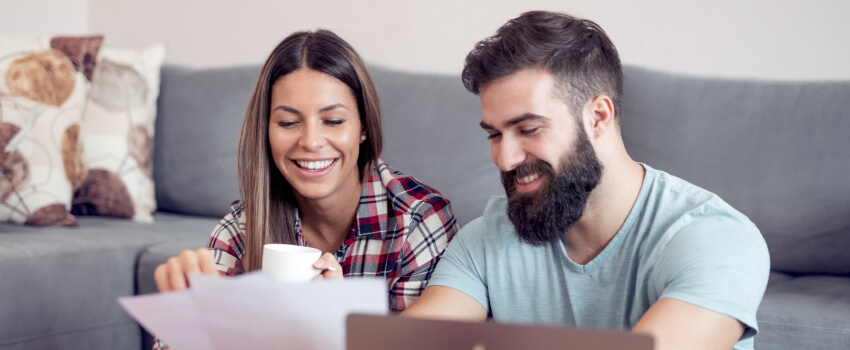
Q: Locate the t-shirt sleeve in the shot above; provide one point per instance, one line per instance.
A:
(462, 264)
(721, 266)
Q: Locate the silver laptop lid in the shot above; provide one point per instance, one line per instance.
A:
(371, 332)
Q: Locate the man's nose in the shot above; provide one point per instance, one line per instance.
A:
(507, 154)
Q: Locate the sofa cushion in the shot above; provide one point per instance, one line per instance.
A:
(44, 83)
(444, 146)
(197, 129)
(118, 131)
(63, 284)
(807, 312)
(776, 151)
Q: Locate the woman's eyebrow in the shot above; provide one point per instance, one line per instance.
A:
(286, 108)
(332, 107)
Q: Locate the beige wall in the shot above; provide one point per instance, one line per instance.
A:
(780, 39)
(43, 17)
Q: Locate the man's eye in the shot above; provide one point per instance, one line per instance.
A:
(493, 136)
(529, 131)
(286, 124)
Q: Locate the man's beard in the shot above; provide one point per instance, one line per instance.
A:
(544, 215)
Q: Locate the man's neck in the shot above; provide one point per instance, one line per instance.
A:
(607, 209)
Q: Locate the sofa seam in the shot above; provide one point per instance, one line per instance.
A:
(51, 334)
(795, 326)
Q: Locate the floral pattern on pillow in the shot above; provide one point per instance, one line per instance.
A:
(43, 92)
(118, 138)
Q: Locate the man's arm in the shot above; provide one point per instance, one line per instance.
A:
(676, 324)
(442, 302)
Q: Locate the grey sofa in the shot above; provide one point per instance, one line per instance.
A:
(777, 151)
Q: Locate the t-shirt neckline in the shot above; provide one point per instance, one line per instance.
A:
(617, 241)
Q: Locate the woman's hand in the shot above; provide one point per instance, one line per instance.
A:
(172, 275)
(329, 266)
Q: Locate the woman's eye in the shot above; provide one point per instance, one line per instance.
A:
(334, 122)
(286, 124)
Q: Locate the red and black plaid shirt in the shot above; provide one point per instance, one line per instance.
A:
(401, 229)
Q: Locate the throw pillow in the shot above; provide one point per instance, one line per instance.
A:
(44, 84)
(118, 131)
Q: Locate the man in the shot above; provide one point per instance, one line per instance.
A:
(586, 236)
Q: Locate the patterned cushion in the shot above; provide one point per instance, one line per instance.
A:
(118, 135)
(44, 83)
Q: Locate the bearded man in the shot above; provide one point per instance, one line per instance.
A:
(586, 236)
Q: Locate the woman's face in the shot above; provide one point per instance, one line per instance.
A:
(314, 133)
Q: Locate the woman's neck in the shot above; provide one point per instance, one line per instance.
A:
(326, 222)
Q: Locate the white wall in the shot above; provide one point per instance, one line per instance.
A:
(43, 17)
(780, 39)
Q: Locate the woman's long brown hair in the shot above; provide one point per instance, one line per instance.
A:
(267, 199)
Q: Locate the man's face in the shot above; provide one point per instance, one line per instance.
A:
(549, 167)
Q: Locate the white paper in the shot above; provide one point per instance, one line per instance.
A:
(254, 312)
(172, 316)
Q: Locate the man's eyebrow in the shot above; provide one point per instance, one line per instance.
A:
(516, 120)
(523, 118)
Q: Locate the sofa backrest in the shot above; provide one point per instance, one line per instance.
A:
(430, 132)
(777, 151)
(199, 114)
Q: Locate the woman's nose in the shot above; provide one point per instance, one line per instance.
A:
(311, 138)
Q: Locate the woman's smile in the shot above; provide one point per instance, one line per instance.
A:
(314, 168)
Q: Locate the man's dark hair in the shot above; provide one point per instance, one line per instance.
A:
(577, 52)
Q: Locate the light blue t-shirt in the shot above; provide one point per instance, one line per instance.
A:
(679, 241)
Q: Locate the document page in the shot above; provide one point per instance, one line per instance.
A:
(253, 311)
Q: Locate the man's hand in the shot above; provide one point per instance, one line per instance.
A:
(676, 324)
(172, 275)
(440, 302)
(329, 266)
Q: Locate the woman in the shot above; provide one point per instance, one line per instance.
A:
(310, 174)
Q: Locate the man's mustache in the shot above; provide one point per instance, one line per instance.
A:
(526, 169)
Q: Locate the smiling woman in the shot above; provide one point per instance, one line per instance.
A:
(310, 175)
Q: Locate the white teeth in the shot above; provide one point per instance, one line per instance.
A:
(526, 179)
(315, 165)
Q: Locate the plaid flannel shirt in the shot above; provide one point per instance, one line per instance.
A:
(401, 229)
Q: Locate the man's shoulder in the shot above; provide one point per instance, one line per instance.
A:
(685, 204)
(695, 216)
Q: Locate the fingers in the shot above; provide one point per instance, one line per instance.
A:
(188, 262)
(172, 275)
(206, 262)
(176, 276)
(329, 265)
(160, 277)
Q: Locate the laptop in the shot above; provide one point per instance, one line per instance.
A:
(373, 332)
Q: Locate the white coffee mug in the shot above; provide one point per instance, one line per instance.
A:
(290, 263)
